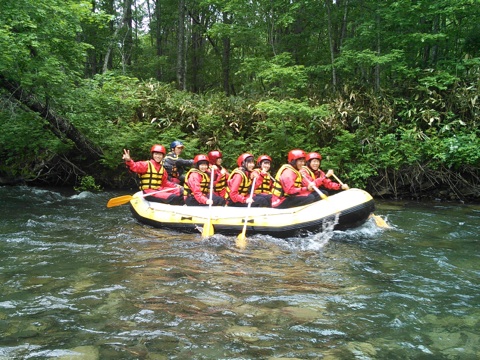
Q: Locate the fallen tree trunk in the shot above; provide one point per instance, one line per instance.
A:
(61, 127)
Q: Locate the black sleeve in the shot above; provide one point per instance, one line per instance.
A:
(184, 163)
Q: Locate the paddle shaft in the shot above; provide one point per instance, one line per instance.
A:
(211, 186)
(336, 178)
(207, 227)
(241, 236)
(121, 200)
(156, 192)
(317, 190)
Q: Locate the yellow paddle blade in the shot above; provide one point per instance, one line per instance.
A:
(241, 241)
(207, 230)
(380, 222)
(119, 200)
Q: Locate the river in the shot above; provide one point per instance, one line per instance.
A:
(81, 281)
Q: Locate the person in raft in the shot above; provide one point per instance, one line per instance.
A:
(264, 182)
(239, 184)
(197, 184)
(312, 173)
(221, 174)
(288, 189)
(175, 165)
(154, 178)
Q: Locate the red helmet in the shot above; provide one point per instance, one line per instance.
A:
(313, 155)
(263, 157)
(158, 148)
(241, 159)
(199, 158)
(214, 155)
(296, 154)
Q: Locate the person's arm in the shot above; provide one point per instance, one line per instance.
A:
(287, 180)
(307, 181)
(234, 185)
(329, 184)
(324, 181)
(320, 178)
(169, 184)
(194, 182)
(184, 163)
(139, 167)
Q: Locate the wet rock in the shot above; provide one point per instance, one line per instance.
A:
(362, 350)
(248, 310)
(244, 333)
(81, 352)
(302, 314)
(453, 342)
(153, 356)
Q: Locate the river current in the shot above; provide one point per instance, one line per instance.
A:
(81, 281)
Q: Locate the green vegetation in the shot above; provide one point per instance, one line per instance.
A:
(87, 183)
(387, 92)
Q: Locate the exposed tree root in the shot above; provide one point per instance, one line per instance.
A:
(422, 182)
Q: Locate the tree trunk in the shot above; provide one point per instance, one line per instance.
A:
(197, 47)
(226, 58)
(181, 72)
(61, 127)
(108, 60)
(330, 42)
(377, 65)
(128, 39)
(344, 25)
(158, 39)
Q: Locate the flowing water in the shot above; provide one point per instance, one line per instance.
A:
(80, 281)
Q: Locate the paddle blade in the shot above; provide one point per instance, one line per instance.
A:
(380, 222)
(207, 230)
(241, 240)
(119, 200)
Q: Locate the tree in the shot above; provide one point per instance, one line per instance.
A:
(41, 60)
(181, 63)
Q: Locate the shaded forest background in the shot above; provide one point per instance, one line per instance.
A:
(386, 90)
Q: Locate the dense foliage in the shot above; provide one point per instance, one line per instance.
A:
(386, 90)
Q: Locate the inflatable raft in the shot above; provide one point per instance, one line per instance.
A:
(347, 209)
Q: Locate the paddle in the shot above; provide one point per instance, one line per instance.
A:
(317, 190)
(378, 220)
(125, 199)
(314, 187)
(208, 227)
(240, 242)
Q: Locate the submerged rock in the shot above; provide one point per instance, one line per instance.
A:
(244, 333)
(81, 352)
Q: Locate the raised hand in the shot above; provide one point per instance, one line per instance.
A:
(126, 155)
